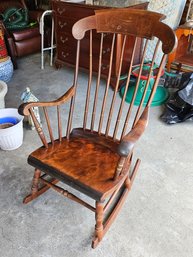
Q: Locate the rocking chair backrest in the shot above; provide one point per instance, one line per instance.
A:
(120, 23)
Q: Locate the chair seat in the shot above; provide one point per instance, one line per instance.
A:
(80, 162)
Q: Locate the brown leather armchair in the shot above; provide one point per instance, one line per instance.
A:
(25, 41)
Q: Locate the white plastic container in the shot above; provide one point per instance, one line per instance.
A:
(3, 92)
(11, 138)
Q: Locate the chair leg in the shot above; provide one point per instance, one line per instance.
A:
(35, 181)
(103, 227)
(35, 190)
(99, 215)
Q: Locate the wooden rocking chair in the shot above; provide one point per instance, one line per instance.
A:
(95, 159)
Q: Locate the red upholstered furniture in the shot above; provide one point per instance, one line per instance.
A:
(25, 41)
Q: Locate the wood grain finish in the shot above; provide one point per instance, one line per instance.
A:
(66, 15)
(122, 22)
(129, 140)
(96, 158)
(24, 108)
(78, 162)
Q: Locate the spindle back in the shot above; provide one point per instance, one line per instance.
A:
(121, 24)
(107, 116)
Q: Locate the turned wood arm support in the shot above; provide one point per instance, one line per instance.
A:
(25, 107)
(129, 140)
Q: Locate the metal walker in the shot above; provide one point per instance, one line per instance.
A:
(52, 46)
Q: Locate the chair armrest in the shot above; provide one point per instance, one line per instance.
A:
(129, 140)
(24, 108)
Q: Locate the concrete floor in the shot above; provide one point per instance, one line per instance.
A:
(156, 220)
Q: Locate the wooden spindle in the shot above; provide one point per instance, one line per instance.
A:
(67, 194)
(116, 87)
(38, 128)
(157, 80)
(59, 124)
(89, 84)
(97, 84)
(107, 85)
(48, 124)
(119, 167)
(147, 84)
(69, 125)
(135, 91)
(124, 96)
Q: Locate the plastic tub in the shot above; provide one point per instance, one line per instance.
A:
(11, 137)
